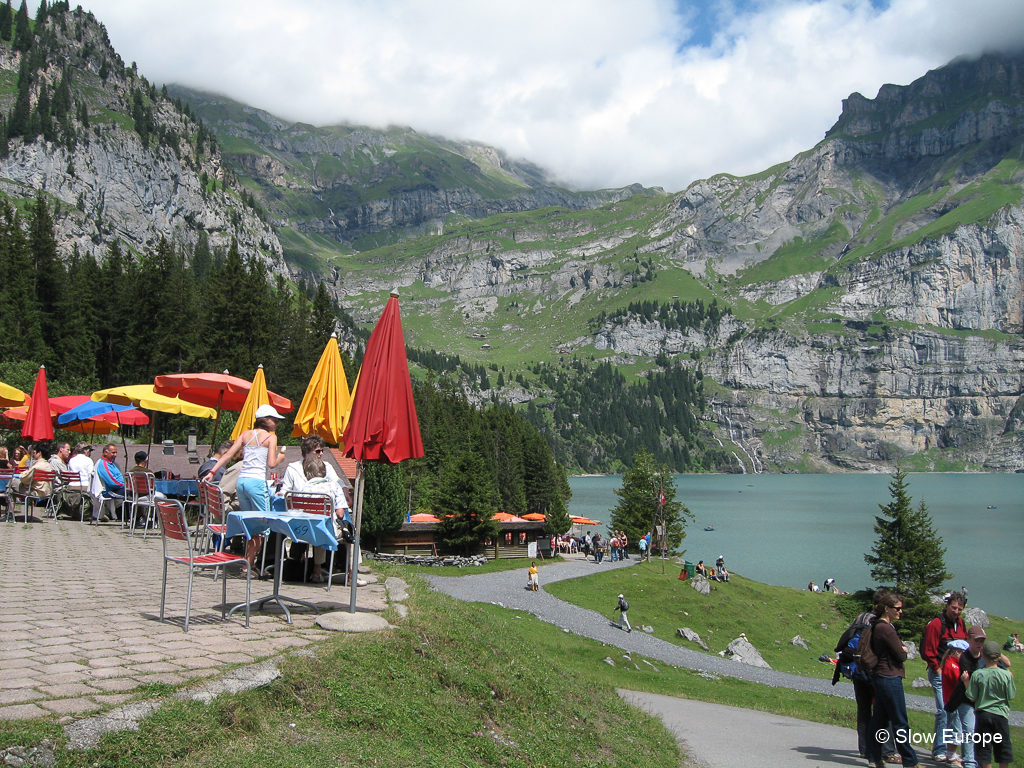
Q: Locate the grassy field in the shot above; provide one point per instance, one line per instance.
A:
(458, 684)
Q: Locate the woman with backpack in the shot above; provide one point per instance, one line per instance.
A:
(887, 673)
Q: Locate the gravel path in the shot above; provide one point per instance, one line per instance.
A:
(506, 588)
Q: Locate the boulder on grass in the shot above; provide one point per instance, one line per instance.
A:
(741, 650)
(692, 636)
(700, 584)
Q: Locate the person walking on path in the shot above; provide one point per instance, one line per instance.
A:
(937, 634)
(534, 581)
(259, 453)
(623, 607)
(642, 544)
(890, 706)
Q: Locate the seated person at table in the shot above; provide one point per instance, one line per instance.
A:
(40, 453)
(142, 465)
(109, 474)
(315, 480)
(207, 465)
(60, 457)
(295, 473)
(5, 461)
(21, 457)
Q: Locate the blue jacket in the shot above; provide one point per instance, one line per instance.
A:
(110, 475)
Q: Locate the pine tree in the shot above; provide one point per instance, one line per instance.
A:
(908, 553)
(78, 343)
(22, 29)
(465, 504)
(384, 500)
(646, 499)
(6, 21)
(21, 336)
(48, 270)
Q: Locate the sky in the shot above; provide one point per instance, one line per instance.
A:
(600, 93)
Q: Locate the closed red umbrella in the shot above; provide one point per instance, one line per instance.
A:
(38, 421)
(383, 425)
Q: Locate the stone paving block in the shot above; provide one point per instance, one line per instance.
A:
(191, 674)
(232, 658)
(153, 667)
(106, 662)
(112, 699)
(7, 665)
(143, 658)
(67, 677)
(166, 678)
(19, 695)
(9, 683)
(22, 712)
(116, 684)
(69, 706)
(198, 662)
(110, 672)
(69, 689)
(57, 669)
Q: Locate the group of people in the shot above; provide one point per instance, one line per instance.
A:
(970, 678)
(830, 586)
(94, 483)
(616, 546)
(260, 453)
(717, 572)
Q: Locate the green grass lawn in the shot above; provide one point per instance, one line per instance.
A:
(457, 684)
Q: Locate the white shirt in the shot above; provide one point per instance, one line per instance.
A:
(295, 478)
(81, 464)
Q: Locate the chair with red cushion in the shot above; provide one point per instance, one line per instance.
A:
(178, 549)
(30, 498)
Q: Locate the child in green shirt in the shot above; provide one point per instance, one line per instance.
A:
(991, 689)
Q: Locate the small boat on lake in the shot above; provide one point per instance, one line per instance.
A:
(709, 527)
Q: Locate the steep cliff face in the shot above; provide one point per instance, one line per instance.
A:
(106, 182)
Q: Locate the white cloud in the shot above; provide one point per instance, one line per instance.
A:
(597, 91)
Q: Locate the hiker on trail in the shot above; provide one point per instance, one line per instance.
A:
(534, 576)
(598, 544)
(890, 707)
(937, 634)
(991, 689)
(863, 691)
(586, 544)
(622, 608)
(643, 548)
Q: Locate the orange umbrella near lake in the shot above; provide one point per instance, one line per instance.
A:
(327, 404)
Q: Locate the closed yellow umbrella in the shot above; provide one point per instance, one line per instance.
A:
(11, 397)
(327, 404)
(143, 396)
(257, 396)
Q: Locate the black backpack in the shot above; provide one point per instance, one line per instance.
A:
(848, 649)
(623, 605)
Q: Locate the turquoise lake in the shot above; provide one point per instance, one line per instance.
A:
(792, 529)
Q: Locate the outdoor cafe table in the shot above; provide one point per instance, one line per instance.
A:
(183, 488)
(298, 526)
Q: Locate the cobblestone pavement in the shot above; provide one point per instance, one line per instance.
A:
(80, 628)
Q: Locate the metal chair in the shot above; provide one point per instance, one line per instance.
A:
(38, 476)
(212, 520)
(140, 487)
(314, 503)
(175, 532)
(6, 478)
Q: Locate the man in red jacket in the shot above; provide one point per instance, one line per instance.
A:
(937, 634)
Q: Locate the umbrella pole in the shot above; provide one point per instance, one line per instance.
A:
(357, 523)
(216, 424)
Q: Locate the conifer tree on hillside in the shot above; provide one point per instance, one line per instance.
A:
(384, 500)
(22, 29)
(6, 21)
(646, 499)
(21, 335)
(465, 503)
(908, 554)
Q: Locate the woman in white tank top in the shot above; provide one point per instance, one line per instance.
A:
(260, 453)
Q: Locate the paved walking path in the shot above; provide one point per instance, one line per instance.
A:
(703, 728)
(80, 628)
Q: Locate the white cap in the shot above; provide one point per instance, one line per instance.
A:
(620, 597)
(268, 410)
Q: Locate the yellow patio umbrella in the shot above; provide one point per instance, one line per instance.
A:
(327, 404)
(11, 397)
(257, 396)
(143, 396)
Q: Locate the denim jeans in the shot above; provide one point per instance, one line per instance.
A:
(961, 722)
(890, 709)
(938, 746)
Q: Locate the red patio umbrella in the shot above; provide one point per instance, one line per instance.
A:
(383, 425)
(214, 390)
(38, 421)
